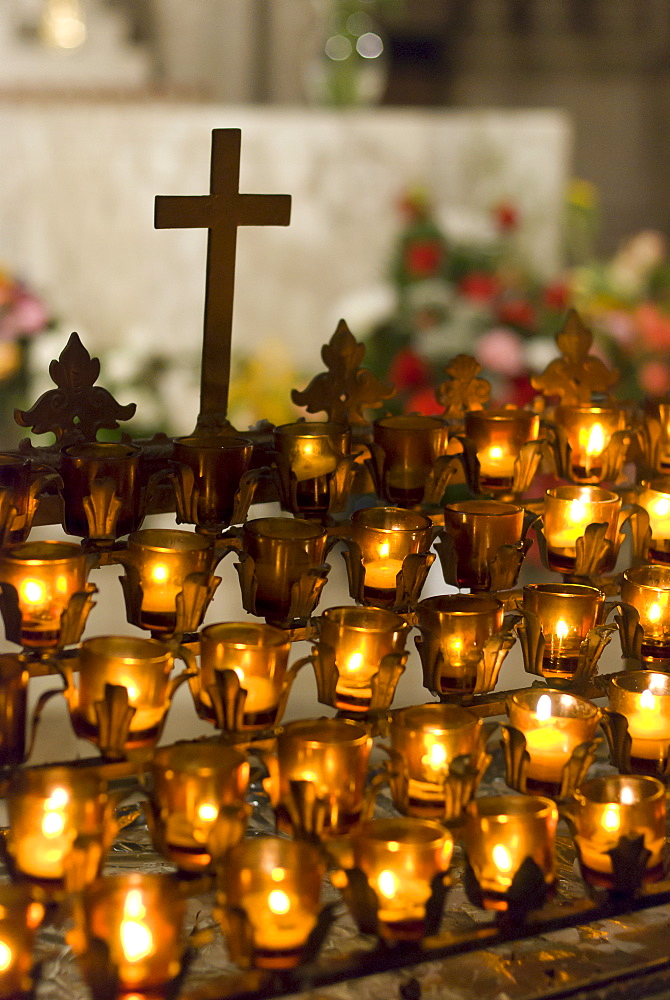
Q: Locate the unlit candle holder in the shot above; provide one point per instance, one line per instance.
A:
(413, 460)
(315, 467)
(213, 486)
(471, 548)
(21, 485)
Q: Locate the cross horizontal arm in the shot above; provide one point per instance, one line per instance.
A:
(263, 209)
(183, 211)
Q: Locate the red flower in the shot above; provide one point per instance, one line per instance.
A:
(423, 258)
(654, 327)
(423, 401)
(409, 371)
(556, 296)
(506, 216)
(479, 286)
(517, 312)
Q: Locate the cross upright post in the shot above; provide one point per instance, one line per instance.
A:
(220, 212)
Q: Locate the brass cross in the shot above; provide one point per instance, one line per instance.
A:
(221, 212)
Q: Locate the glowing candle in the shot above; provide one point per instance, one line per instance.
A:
(137, 940)
(386, 536)
(589, 431)
(606, 809)
(647, 589)
(567, 612)
(382, 572)
(554, 724)
(568, 511)
(592, 443)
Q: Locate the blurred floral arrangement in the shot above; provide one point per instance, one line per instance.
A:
(23, 314)
(482, 298)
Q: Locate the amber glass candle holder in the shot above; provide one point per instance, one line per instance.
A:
(500, 834)
(268, 900)
(139, 918)
(209, 476)
(39, 579)
(438, 757)
(407, 448)
(642, 697)
(255, 659)
(282, 572)
(498, 437)
(20, 916)
(123, 693)
(21, 483)
(590, 447)
(388, 558)
(49, 809)
(314, 470)
(312, 759)
(168, 581)
(101, 490)
(567, 613)
(193, 786)
(568, 512)
(606, 810)
(655, 499)
(554, 725)
(359, 657)
(400, 859)
(647, 589)
(486, 544)
(457, 647)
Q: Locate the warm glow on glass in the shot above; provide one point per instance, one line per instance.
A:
(278, 902)
(502, 858)
(577, 511)
(543, 710)
(53, 824)
(5, 956)
(278, 874)
(387, 884)
(33, 592)
(436, 757)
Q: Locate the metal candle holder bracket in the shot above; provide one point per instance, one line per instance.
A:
(408, 585)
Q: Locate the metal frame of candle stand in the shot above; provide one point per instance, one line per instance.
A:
(464, 391)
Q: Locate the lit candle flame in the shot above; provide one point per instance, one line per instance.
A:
(278, 874)
(660, 507)
(53, 821)
(495, 452)
(387, 883)
(278, 902)
(502, 859)
(627, 796)
(561, 631)
(5, 956)
(435, 756)
(33, 592)
(159, 573)
(611, 820)
(354, 663)
(136, 938)
(384, 550)
(577, 511)
(595, 440)
(647, 700)
(543, 710)
(654, 612)
(207, 812)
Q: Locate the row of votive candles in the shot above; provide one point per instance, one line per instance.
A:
(274, 885)
(282, 552)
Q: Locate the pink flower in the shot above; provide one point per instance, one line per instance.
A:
(501, 350)
(26, 316)
(654, 377)
(653, 326)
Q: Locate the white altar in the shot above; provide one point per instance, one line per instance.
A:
(76, 211)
